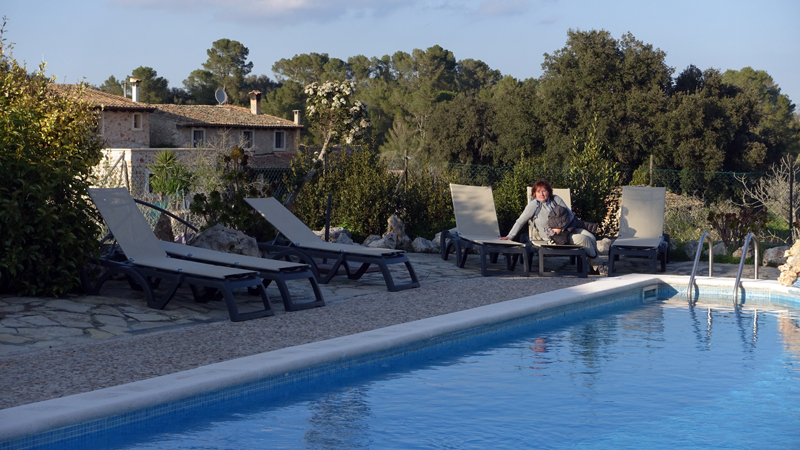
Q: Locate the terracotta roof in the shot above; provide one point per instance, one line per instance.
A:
(223, 116)
(104, 100)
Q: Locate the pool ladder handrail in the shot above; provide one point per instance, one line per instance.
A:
(741, 263)
(697, 260)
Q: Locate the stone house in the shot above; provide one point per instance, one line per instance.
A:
(136, 132)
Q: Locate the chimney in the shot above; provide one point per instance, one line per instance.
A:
(255, 102)
(135, 89)
(296, 116)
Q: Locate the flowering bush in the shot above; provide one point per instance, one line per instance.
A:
(331, 108)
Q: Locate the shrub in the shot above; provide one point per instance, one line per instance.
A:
(592, 176)
(425, 204)
(48, 147)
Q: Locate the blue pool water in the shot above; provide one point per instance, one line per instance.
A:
(658, 374)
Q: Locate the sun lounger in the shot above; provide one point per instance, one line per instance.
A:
(576, 253)
(478, 229)
(641, 227)
(268, 270)
(146, 265)
(309, 246)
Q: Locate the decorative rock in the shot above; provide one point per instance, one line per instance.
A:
(690, 249)
(397, 227)
(405, 244)
(389, 241)
(335, 233)
(163, 228)
(791, 269)
(370, 239)
(719, 249)
(343, 238)
(422, 245)
(774, 257)
(738, 252)
(226, 240)
(603, 245)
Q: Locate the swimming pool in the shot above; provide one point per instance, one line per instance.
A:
(603, 372)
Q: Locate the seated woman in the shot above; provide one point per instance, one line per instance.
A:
(545, 203)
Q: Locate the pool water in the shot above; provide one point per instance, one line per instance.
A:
(654, 375)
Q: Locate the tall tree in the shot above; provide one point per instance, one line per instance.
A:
(152, 89)
(304, 69)
(474, 75)
(625, 82)
(112, 86)
(227, 62)
(201, 86)
(514, 119)
(459, 131)
(777, 125)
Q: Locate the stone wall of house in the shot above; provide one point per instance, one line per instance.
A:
(118, 130)
(164, 131)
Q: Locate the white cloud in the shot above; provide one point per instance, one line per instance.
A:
(277, 12)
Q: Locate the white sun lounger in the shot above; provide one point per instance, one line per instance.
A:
(303, 240)
(145, 260)
(476, 221)
(641, 227)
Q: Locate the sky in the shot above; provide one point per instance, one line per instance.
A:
(90, 40)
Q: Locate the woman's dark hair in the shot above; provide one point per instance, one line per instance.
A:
(543, 184)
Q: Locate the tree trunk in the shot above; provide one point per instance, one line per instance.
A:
(290, 199)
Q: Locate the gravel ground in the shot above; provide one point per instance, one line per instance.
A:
(58, 372)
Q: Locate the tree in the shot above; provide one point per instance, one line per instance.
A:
(338, 117)
(304, 69)
(112, 86)
(228, 67)
(514, 119)
(777, 125)
(711, 126)
(459, 131)
(201, 86)
(474, 75)
(48, 147)
(152, 89)
(625, 82)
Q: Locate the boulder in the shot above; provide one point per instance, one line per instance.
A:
(738, 252)
(690, 249)
(719, 249)
(791, 269)
(405, 244)
(163, 228)
(396, 226)
(370, 239)
(775, 256)
(422, 245)
(334, 234)
(389, 241)
(226, 240)
(342, 238)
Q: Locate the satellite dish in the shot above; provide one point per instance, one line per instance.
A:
(221, 96)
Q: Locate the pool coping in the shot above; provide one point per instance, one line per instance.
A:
(32, 419)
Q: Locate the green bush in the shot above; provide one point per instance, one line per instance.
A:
(362, 188)
(425, 203)
(48, 147)
(592, 176)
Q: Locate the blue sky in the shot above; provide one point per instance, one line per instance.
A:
(93, 39)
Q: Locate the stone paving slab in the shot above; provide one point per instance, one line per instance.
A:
(28, 324)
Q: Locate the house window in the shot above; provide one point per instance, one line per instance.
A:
(280, 141)
(247, 138)
(198, 136)
(137, 121)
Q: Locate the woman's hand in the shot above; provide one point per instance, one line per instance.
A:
(557, 230)
(505, 238)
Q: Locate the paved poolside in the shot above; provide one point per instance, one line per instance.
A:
(30, 324)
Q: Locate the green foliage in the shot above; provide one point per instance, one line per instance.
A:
(153, 88)
(48, 146)
(592, 176)
(425, 203)
(362, 188)
(170, 177)
(228, 207)
(228, 67)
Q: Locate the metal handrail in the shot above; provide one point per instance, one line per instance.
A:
(697, 261)
(741, 263)
(158, 208)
